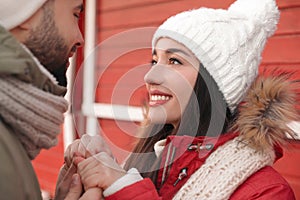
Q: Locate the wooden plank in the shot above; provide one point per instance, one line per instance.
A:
(282, 50)
(116, 22)
(121, 77)
(47, 170)
(126, 42)
(107, 34)
(122, 97)
(148, 14)
(108, 5)
(289, 21)
(288, 3)
(278, 68)
(119, 135)
(134, 57)
(160, 12)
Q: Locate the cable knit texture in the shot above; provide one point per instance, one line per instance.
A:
(220, 177)
(33, 114)
(228, 42)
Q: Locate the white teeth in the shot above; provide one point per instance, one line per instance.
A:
(159, 98)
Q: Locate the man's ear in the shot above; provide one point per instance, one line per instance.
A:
(32, 21)
(22, 31)
(27, 25)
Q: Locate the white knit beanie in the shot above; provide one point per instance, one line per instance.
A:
(228, 42)
(15, 12)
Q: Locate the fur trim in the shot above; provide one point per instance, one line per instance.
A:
(268, 108)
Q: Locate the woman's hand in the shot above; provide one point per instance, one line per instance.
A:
(99, 171)
(86, 147)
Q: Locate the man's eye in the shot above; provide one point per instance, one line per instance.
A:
(77, 15)
(174, 61)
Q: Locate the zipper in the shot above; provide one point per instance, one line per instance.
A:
(181, 175)
(168, 163)
(165, 166)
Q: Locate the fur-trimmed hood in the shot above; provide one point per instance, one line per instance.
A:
(268, 109)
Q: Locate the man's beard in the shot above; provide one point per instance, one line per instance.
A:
(49, 47)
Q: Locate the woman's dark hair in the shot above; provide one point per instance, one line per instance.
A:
(206, 114)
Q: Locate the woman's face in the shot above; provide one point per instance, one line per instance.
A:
(170, 81)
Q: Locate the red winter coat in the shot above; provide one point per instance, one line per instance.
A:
(264, 184)
(257, 186)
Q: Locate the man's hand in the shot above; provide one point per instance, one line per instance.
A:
(69, 186)
(64, 181)
(76, 191)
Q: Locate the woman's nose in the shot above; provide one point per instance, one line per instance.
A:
(154, 75)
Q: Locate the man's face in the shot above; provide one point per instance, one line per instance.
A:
(57, 36)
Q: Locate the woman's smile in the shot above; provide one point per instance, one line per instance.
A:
(158, 98)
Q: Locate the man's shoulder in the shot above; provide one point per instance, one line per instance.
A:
(17, 177)
(10, 148)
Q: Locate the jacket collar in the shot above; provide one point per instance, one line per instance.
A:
(184, 143)
(202, 144)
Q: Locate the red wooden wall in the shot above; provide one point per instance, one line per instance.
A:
(114, 18)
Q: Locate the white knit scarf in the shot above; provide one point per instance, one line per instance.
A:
(33, 114)
(224, 170)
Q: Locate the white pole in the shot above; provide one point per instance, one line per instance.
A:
(69, 130)
(89, 66)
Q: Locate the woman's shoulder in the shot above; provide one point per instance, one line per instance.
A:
(266, 183)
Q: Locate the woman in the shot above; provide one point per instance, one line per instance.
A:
(204, 139)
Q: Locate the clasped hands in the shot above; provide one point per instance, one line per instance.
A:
(88, 170)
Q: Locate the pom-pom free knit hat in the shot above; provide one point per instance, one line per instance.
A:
(15, 12)
(228, 42)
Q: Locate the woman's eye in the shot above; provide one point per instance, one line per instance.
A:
(153, 62)
(174, 61)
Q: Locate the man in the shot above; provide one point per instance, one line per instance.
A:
(36, 39)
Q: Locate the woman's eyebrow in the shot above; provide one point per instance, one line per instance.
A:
(171, 51)
(174, 50)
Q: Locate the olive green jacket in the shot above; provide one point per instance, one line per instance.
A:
(18, 180)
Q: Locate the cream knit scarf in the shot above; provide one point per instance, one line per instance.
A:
(34, 115)
(224, 170)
